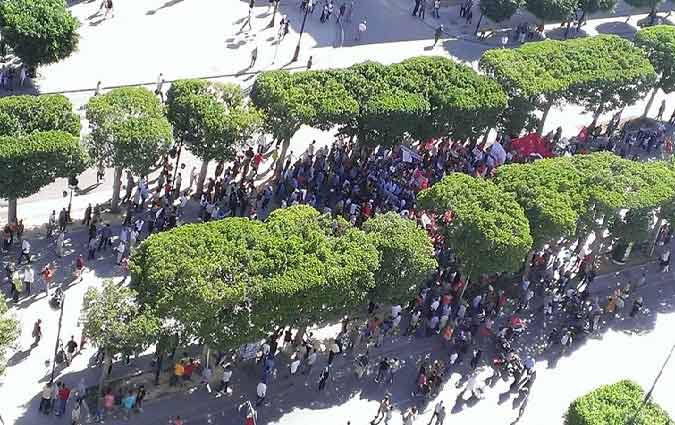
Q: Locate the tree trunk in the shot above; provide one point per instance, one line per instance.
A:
(466, 285)
(547, 109)
(201, 178)
(274, 15)
(11, 210)
(596, 117)
(117, 185)
(650, 102)
(206, 353)
(299, 334)
(655, 235)
(581, 20)
(528, 263)
(107, 362)
(278, 167)
(158, 368)
(480, 19)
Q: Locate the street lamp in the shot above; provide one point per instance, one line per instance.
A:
(302, 30)
(72, 185)
(58, 336)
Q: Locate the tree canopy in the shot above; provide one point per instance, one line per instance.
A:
(658, 42)
(114, 321)
(406, 257)
(211, 118)
(128, 129)
(615, 404)
(651, 4)
(28, 163)
(499, 10)
(551, 192)
(39, 32)
(483, 224)
(234, 280)
(22, 115)
(551, 10)
(421, 97)
(9, 332)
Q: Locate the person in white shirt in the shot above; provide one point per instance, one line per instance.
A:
(28, 278)
(25, 252)
(225, 379)
(261, 391)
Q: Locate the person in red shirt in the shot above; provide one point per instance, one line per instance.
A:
(63, 396)
(189, 368)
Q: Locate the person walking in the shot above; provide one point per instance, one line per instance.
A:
(46, 398)
(75, 414)
(382, 410)
(361, 30)
(225, 379)
(159, 91)
(28, 278)
(261, 392)
(25, 252)
(37, 332)
(63, 219)
(637, 307)
(439, 414)
(71, 348)
(438, 34)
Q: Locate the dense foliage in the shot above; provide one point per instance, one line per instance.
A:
(615, 404)
(21, 115)
(210, 118)
(551, 10)
(482, 223)
(128, 129)
(601, 73)
(406, 256)
(28, 163)
(113, 320)
(551, 192)
(234, 280)
(658, 42)
(499, 10)
(9, 332)
(420, 97)
(40, 32)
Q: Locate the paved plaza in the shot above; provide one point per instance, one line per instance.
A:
(204, 39)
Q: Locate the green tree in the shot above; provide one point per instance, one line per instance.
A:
(39, 32)
(498, 10)
(9, 332)
(232, 281)
(211, 119)
(658, 42)
(28, 163)
(615, 404)
(551, 193)
(551, 10)
(601, 73)
(290, 100)
(615, 184)
(22, 115)
(611, 73)
(128, 130)
(114, 321)
(483, 224)
(406, 257)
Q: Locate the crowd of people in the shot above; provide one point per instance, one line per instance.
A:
(357, 183)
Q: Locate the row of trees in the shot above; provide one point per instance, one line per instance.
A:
(495, 225)
(233, 281)
(377, 104)
(555, 10)
(380, 105)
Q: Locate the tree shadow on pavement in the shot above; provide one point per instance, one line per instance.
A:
(618, 28)
(164, 6)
